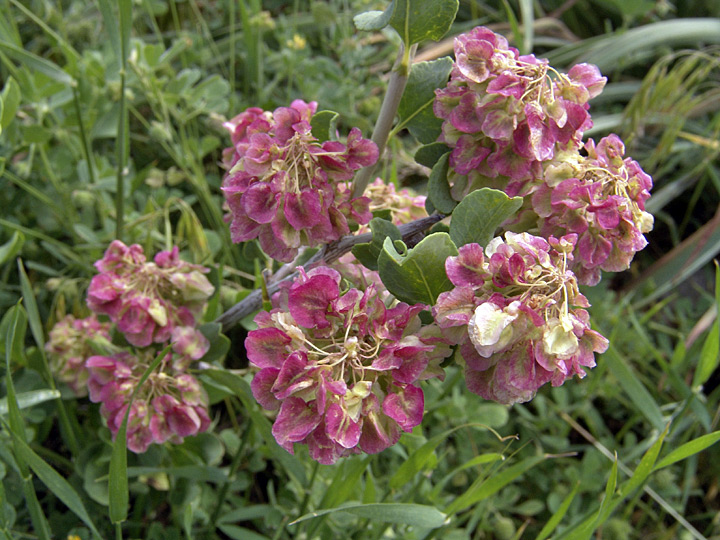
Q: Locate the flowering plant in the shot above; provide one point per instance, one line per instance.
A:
(344, 343)
(343, 367)
(150, 304)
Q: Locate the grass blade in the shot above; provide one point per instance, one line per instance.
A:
(417, 515)
(709, 357)
(635, 390)
(645, 467)
(28, 399)
(527, 15)
(635, 44)
(345, 483)
(483, 488)
(54, 482)
(688, 449)
(36, 63)
(118, 478)
(556, 518)
(417, 460)
(15, 331)
(36, 329)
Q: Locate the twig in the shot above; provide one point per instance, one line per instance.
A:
(388, 110)
(328, 254)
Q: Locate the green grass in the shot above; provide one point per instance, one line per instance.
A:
(111, 128)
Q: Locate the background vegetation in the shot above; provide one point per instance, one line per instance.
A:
(91, 92)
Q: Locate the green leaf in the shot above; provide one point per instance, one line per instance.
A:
(11, 101)
(54, 482)
(417, 515)
(429, 154)
(605, 507)
(28, 399)
(438, 187)
(240, 533)
(418, 275)
(372, 21)
(246, 513)
(13, 341)
(528, 20)
(483, 488)
(368, 253)
(688, 449)
(12, 247)
(556, 518)
(710, 352)
(417, 460)
(645, 467)
(203, 473)
(36, 63)
(709, 357)
(118, 478)
(479, 214)
(345, 483)
(621, 49)
(514, 25)
(414, 20)
(418, 20)
(219, 342)
(415, 110)
(125, 9)
(31, 307)
(635, 390)
(323, 124)
(239, 387)
(584, 529)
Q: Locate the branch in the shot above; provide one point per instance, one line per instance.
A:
(328, 254)
(388, 110)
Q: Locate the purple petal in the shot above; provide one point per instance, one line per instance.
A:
(340, 427)
(261, 387)
(295, 421)
(304, 210)
(308, 302)
(267, 347)
(260, 202)
(405, 405)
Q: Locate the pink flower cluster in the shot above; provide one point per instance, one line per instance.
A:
(150, 303)
(403, 205)
(505, 114)
(169, 406)
(70, 345)
(341, 367)
(148, 300)
(287, 189)
(518, 316)
(601, 198)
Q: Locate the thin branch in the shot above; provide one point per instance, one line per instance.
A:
(327, 255)
(388, 110)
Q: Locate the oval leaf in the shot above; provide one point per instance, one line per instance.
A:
(418, 20)
(323, 124)
(479, 214)
(415, 109)
(438, 187)
(419, 275)
(368, 253)
(430, 154)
